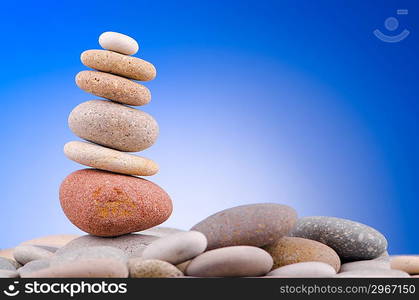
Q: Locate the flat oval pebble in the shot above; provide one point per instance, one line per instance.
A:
(26, 253)
(113, 125)
(9, 274)
(119, 64)
(85, 268)
(406, 263)
(108, 204)
(291, 250)
(375, 273)
(235, 261)
(54, 240)
(310, 269)
(97, 252)
(32, 266)
(113, 87)
(118, 42)
(103, 158)
(177, 248)
(351, 240)
(132, 245)
(365, 265)
(6, 264)
(152, 268)
(254, 225)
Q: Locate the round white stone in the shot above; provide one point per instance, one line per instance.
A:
(118, 42)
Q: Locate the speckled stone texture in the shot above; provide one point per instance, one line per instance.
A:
(113, 87)
(119, 64)
(291, 250)
(113, 125)
(351, 240)
(108, 204)
(103, 158)
(254, 225)
(152, 268)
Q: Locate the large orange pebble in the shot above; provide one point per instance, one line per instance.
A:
(109, 204)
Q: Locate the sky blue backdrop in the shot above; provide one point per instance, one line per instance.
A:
(292, 102)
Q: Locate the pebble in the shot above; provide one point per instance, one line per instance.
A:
(6, 264)
(310, 269)
(373, 273)
(13, 262)
(365, 265)
(55, 240)
(291, 250)
(182, 267)
(32, 266)
(235, 261)
(7, 253)
(26, 253)
(103, 158)
(96, 252)
(351, 240)
(161, 231)
(132, 245)
(118, 42)
(86, 268)
(113, 87)
(177, 248)
(254, 225)
(406, 263)
(152, 268)
(108, 204)
(8, 274)
(119, 64)
(113, 125)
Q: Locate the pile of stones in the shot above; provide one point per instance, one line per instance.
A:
(119, 211)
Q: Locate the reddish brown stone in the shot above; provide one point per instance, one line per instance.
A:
(108, 204)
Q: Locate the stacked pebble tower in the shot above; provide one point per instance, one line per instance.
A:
(108, 199)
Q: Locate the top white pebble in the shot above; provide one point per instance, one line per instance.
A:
(118, 42)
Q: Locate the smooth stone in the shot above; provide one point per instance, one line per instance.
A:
(85, 268)
(364, 265)
(133, 245)
(13, 262)
(6, 264)
(113, 87)
(183, 266)
(8, 274)
(177, 248)
(119, 64)
(109, 204)
(118, 42)
(96, 252)
(373, 273)
(351, 240)
(32, 266)
(406, 263)
(55, 240)
(234, 261)
(26, 253)
(291, 250)
(161, 231)
(114, 125)
(253, 225)
(152, 268)
(7, 253)
(103, 158)
(310, 269)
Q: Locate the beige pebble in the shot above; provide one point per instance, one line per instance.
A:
(7, 253)
(119, 64)
(103, 158)
(182, 267)
(310, 269)
(112, 87)
(118, 42)
(152, 268)
(113, 125)
(406, 263)
(55, 240)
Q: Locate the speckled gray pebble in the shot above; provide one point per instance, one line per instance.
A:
(177, 248)
(351, 240)
(26, 253)
(132, 244)
(5, 264)
(33, 266)
(98, 252)
(253, 225)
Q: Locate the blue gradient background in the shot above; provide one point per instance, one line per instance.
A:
(292, 102)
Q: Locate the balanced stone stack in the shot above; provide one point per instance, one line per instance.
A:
(108, 199)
